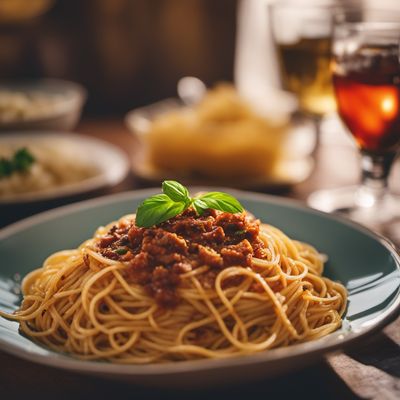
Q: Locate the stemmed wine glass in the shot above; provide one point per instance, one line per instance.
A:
(302, 35)
(366, 80)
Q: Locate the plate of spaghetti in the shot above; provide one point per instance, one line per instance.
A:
(173, 290)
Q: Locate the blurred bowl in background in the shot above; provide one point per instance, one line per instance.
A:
(65, 165)
(222, 140)
(22, 10)
(40, 105)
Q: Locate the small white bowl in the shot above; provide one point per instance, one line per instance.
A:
(71, 98)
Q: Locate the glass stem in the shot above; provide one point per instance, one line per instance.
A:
(374, 178)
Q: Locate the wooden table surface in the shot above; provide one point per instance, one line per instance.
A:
(371, 369)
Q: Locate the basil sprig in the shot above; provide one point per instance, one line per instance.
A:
(19, 162)
(176, 199)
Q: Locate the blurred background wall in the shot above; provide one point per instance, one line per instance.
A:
(127, 53)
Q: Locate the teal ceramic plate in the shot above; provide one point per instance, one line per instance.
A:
(367, 264)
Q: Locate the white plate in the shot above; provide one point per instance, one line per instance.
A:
(294, 168)
(110, 162)
(288, 172)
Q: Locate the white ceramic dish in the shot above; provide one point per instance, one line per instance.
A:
(64, 117)
(110, 162)
(292, 169)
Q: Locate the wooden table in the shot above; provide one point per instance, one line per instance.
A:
(369, 370)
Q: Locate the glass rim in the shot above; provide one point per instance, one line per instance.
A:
(298, 6)
(336, 9)
(349, 10)
(369, 26)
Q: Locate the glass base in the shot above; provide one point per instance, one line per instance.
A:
(356, 203)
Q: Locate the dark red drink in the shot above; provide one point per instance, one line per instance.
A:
(367, 87)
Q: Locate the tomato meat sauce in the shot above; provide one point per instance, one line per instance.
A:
(156, 257)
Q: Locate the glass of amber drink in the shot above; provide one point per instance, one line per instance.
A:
(366, 81)
(302, 34)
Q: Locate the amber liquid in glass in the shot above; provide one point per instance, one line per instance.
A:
(305, 70)
(367, 87)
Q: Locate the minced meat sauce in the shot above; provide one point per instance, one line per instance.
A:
(157, 256)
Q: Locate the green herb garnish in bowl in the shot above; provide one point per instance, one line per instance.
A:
(19, 162)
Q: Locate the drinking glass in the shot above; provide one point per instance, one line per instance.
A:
(302, 34)
(366, 80)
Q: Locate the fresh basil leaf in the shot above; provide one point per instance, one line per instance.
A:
(176, 199)
(220, 201)
(157, 209)
(175, 191)
(200, 206)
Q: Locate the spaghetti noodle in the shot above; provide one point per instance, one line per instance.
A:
(91, 302)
